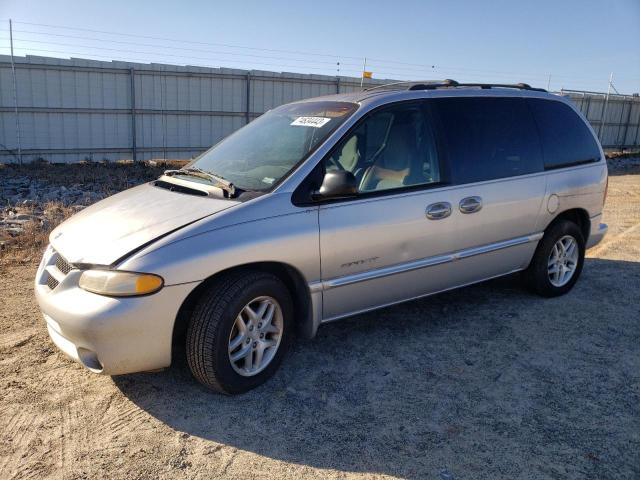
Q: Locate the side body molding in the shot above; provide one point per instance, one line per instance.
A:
(323, 285)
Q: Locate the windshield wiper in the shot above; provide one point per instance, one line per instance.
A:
(217, 180)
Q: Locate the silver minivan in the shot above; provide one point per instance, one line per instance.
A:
(321, 209)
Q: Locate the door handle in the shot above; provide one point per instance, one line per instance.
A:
(438, 211)
(470, 204)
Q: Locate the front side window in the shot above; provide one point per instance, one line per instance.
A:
(488, 137)
(258, 155)
(566, 140)
(392, 148)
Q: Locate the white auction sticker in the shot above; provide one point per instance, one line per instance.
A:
(315, 122)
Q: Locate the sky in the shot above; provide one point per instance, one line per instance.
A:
(571, 44)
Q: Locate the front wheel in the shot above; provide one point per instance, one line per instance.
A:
(558, 260)
(239, 332)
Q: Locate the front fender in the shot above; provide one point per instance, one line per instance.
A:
(291, 239)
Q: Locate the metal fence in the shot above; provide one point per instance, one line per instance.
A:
(72, 110)
(614, 117)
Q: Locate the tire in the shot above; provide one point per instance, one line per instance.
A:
(215, 320)
(538, 276)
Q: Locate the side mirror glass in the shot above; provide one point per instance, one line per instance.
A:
(337, 184)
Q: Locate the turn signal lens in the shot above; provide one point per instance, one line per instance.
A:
(119, 284)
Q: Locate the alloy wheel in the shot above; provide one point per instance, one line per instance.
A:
(563, 261)
(255, 336)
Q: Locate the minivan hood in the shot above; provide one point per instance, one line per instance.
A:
(108, 230)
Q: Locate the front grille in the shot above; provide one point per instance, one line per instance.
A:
(51, 282)
(62, 265)
(56, 268)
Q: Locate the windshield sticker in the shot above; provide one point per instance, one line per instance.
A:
(315, 122)
(268, 180)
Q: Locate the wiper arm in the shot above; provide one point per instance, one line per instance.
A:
(217, 180)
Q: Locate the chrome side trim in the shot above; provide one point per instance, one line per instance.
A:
(315, 287)
(376, 307)
(422, 263)
(386, 271)
(470, 252)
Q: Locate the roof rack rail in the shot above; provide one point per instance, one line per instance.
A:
(453, 83)
(449, 83)
(409, 84)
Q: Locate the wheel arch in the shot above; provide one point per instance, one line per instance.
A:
(579, 216)
(289, 275)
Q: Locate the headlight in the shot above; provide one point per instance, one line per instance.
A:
(120, 284)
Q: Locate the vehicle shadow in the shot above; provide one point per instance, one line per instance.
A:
(485, 381)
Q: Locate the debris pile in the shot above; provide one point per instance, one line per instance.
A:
(34, 198)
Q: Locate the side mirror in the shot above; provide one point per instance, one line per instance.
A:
(337, 184)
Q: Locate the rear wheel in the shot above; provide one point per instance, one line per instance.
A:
(558, 261)
(239, 331)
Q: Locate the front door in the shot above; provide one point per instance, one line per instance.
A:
(391, 242)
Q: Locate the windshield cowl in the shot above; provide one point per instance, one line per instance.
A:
(216, 180)
(195, 186)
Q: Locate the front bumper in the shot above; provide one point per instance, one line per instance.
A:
(105, 334)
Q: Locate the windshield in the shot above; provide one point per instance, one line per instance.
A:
(258, 155)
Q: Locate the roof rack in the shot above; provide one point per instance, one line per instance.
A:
(407, 84)
(452, 83)
(448, 83)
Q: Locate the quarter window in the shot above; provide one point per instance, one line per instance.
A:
(566, 140)
(392, 148)
(488, 138)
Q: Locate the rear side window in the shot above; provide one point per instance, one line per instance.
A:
(489, 137)
(566, 140)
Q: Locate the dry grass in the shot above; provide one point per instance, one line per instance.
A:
(624, 154)
(29, 245)
(102, 178)
(106, 178)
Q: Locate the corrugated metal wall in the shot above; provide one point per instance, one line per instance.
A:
(615, 118)
(71, 110)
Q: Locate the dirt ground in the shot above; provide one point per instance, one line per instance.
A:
(482, 383)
